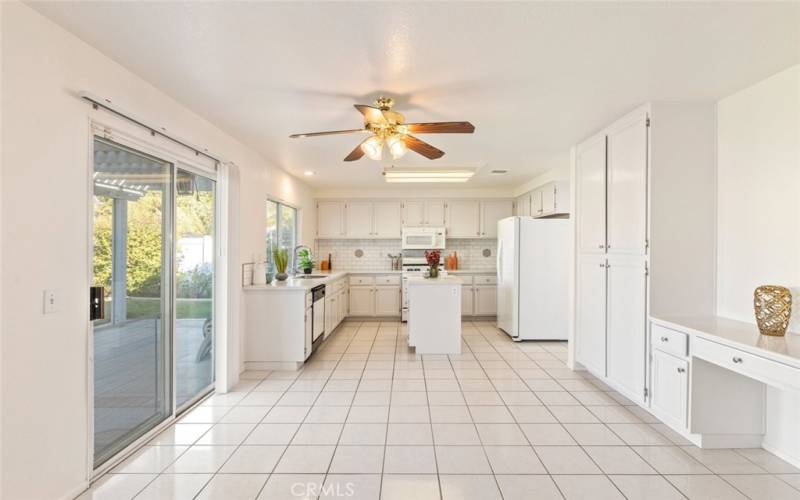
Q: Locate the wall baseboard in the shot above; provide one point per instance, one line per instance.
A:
(782, 454)
(76, 491)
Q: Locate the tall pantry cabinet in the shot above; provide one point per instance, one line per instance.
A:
(644, 235)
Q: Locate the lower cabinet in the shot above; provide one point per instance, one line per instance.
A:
(485, 300)
(467, 300)
(309, 332)
(375, 300)
(670, 385)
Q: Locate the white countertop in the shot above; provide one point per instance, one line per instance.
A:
(298, 284)
(738, 334)
(440, 281)
(471, 271)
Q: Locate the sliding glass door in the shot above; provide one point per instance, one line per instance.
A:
(194, 290)
(154, 242)
(132, 263)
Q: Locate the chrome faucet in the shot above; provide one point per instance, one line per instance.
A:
(294, 256)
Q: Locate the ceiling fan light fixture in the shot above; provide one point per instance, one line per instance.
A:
(397, 146)
(373, 148)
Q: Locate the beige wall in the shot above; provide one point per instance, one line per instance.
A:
(44, 208)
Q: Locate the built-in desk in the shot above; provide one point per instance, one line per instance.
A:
(709, 377)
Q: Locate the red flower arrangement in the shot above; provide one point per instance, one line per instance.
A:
(432, 256)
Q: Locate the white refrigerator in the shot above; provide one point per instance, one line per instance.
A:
(533, 278)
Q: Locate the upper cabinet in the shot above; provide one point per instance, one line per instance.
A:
(330, 219)
(523, 205)
(463, 219)
(491, 212)
(590, 159)
(359, 219)
(546, 200)
(423, 213)
(386, 219)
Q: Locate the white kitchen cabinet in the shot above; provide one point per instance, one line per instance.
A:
(491, 212)
(523, 205)
(387, 219)
(591, 192)
(309, 333)
(463, 219)
(536, 203)
(359, 219)
(670, 383)
(627, 186)
(626, 320)
(362, 301)
(435, 212)
(330, 219)
(590, 324)
(467, 299)
(387, 301)
(414, 213)
(486, 300)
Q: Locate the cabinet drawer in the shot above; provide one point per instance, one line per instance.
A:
(485, 279)
(388, 279)
(466, 279)
(362, 280)
(765, 370)
(669, 341)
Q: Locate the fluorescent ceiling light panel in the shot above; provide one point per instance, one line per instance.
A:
(395, 174)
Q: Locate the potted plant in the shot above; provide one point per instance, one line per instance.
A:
(280, 257)
(306, 263)
(432, 257)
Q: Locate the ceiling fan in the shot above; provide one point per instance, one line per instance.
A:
(387, 127)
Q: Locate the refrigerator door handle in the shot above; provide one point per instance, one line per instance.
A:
(499, 261)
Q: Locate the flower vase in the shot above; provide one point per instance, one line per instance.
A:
(434, 272)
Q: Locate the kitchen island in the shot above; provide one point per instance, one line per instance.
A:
(434, 322)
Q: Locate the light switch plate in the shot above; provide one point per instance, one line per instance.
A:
(49, 301)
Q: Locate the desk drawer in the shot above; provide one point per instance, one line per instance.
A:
(362, 280)
(765, 370)
(483, 279)
(388, 279)
(669, 341)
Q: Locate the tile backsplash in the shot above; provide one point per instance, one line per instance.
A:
(374, 253)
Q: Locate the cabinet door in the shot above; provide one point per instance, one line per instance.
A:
(670, 389)
(387, 301)
(536, 203)
(330, 304)
(591, 193)
(330, 219)
(309, 333)
(359, 219)
(548, 199)
(466, 301)
(362, 301)
(590, 317)
(626, 317)
(434, 213)
(491, 212)
(485, 300)
(387, 217)
(413, 213)
(463, 219)
(627, 186)
(524, 205)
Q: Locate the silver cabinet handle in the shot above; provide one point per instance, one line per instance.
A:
(601, 246)
(602, 265)
(664, 339)
(737, 359)
(681, 370)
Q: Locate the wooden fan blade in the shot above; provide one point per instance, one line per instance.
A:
(331, 132)
(422, 147)
(441, 128)
(371, 114)
(357, 153)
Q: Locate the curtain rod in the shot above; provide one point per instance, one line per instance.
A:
(99, 102)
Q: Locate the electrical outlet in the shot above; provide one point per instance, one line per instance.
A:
(49, 301)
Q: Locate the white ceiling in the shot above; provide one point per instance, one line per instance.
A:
(534, 78)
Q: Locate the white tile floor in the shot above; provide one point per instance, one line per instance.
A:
(368, 419)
